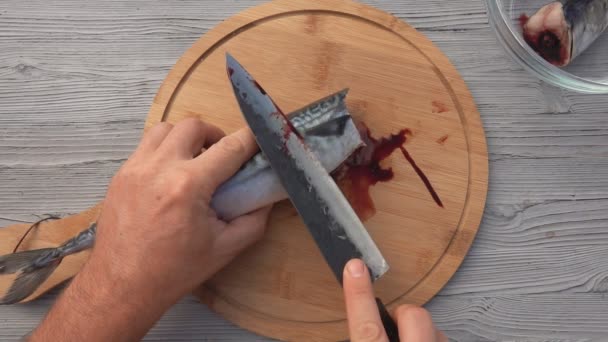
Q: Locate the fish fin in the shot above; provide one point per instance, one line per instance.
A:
(13, 263)
(28, 282)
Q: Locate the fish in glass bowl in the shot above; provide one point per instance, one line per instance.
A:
(563, 43)
(560, 32)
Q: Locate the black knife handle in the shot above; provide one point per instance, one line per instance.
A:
(392, 331)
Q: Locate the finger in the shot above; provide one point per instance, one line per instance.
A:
(188, 138)
(415, 324)
(364, 322)
(214, 134)
(243, 232)
(153, 138)
(223, 159)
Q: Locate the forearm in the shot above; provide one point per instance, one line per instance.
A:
(157, 236)
(103, 304)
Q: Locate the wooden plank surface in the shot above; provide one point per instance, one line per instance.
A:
(77, 79)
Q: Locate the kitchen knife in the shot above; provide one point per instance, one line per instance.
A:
(332, 222)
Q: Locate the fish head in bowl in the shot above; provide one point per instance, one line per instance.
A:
(587, 72)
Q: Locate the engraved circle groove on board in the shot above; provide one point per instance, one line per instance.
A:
(441, 77)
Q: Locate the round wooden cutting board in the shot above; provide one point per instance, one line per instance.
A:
(301, 51)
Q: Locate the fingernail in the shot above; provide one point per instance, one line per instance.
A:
(356, 268)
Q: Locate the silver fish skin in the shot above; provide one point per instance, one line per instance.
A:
(327, 128)
(561, 31)
(588, 19)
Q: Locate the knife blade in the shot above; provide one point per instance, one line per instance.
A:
(332, 222)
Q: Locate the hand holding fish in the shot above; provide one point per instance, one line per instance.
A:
(157, 237)
(157, 219)
(364, 323)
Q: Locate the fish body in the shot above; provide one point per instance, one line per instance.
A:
(326, 126)
(327, 129)
(561, 31)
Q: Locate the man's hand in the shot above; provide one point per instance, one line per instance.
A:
(157, 238)
(415, 323)
(156, 228)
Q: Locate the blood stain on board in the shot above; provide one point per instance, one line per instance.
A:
(312, 24)
(422, 176)
(364, 170)
(443, 139)
(439, 107)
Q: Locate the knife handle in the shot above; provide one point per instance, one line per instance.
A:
(392, 331)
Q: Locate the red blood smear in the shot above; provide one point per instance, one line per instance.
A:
(422, 176)
(443, 139)
(287, 129)
(359, 174)
(230, 72)
(439, 107)
(547, 44)
(523, 19)
(257, 85)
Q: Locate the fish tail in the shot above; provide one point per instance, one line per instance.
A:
(33, 268)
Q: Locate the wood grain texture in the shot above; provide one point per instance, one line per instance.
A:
(72, 70)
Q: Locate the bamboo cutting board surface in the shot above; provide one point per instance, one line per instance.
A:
(301, 51)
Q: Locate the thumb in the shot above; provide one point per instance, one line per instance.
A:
(364, 323)
(243, 232)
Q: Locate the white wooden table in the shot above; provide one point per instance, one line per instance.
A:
(77, 78)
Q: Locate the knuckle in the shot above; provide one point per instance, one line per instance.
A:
(129, 173)
(369, 331)
(206, 191)
(173, 187)
(158, 128)
(190, 123)
(413, 313)
(232, 144)
(181, 182)
(174, 194)
(128, 176)
(132, 174)
(164, 125)
(361, 291)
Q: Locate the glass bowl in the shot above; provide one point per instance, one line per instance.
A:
(588, 73)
